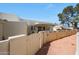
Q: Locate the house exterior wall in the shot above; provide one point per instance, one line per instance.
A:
(11, 25)
(9, 17)
(39, 27)
(14, 28)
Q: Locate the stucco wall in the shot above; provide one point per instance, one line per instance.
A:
(4, 47)
(25, 45)
(29, 45)
(34, 43)
(14, 28)
(51, 36)
(9, 17)
(18, 45)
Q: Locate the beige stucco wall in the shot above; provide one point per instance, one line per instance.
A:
(25, 45)
(57, 35)
(34, 43)
(29, 45)
(4, 47)
(9, 17)
(18, 45)
(14, 28)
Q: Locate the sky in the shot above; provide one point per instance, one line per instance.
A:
(46, 12)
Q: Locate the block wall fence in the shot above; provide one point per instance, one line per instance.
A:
(29, 45)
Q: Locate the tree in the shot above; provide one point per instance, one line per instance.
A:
(61, 18)
(64, 17)
(76, 17)
(75, 21)
(77, 9)
(71, 15)
(68, 11)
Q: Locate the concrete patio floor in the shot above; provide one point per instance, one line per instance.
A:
(64, 46)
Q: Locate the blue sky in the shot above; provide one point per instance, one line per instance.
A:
(42, 12)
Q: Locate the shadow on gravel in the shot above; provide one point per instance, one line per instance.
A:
(43, 50)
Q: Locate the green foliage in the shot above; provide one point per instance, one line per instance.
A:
(69, 15)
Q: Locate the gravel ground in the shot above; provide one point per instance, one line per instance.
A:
(64, 46)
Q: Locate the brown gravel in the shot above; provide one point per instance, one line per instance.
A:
(64, 46)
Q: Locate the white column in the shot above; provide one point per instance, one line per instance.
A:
(77, 43)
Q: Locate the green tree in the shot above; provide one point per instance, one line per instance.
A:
(76, 17)
(61, 18)
(68, 11)
(77, 9)
(70, 15)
